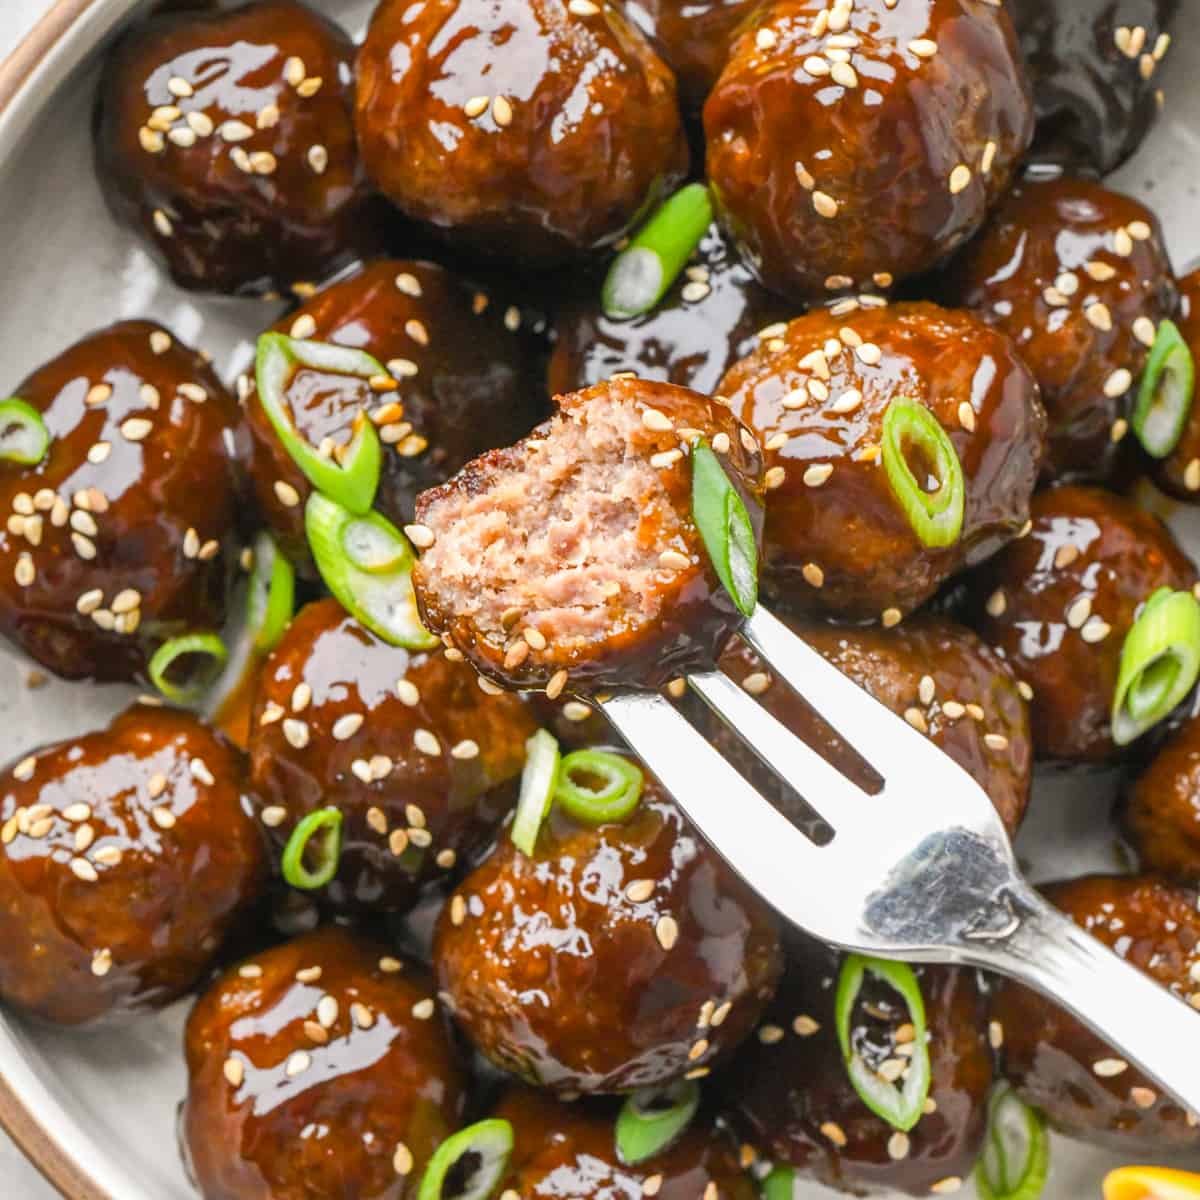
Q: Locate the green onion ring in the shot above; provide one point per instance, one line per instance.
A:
(208, 645)
(616, 799)
(899, 1107)
(24, 437)
(1160, 661)
(1016, 1155)
(353, 482)
(642, 272)
(725, 528)
(1164, 398)
(469, 1164)
(538, 781)
(271, 596)
(651, 1120)
(320, 831)
(936, 517)
(780, 1184)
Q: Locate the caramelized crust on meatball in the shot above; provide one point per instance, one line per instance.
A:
(1162, 809)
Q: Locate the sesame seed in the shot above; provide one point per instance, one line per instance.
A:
(774, 478)
(805, 1026)
(960, 179)
(966, 416)
(24, 572)
(916, 718)
(834, 1132)
(1118, 383)
(423, 1009)
(82, 869)
(554, 688)
(1143, 1097)
(890, 617)
(327, 1011)
(650, 1186)
(426, 743)
(99, 452)
(296, 733)
(77, 812)
(817, 475)
(1101, 272)
(825, 205)
(1109, 1068)
(151, 140)
(844, 74)
(1096, 630)
(84, 547)
(1118, 430)
(944, 1187)
(136, 429)
(274, 815)
(1099, 316)
(1144, 330)
(398, 842)
(464, 750)
(308, 974)
(402, 1159)
(345, 727)
(164, 818)
(318, 158)
(666, 930)
(1191, 475)
(298, 1062)
(1122, 243)
(234, 1071)
(923, 47)
(286, 494)
(108, 856)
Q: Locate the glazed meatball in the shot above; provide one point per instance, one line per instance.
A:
(226, 139)
(316, 1069)
(125, 856)
(1179, 473)
(121, 536)
(524, 129)
(618, 957)
(1081, 1084)
(790, 1096)
(572, 560)
(837, 539)
(1162, 810)
(458, 384)
(1079, 278)
(405, 744)
(853, 146)
(1058, 603)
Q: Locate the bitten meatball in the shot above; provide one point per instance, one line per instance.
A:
(1162, 809)
(790, 1096)
(533, 132)
(227, 140)
(458, 384)
(572, 559)
(618, 957)
(405, 744)
(121, 536)
(125, 856)
(1058, 603)
(1081, 1084)
(1079, 278)
(837, 539)
(317, 1069)
(855, 145)
(1179, 473)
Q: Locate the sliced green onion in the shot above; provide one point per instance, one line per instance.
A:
(24, 437)
(1165, 396)
(538, 780)
(470, 1164)
(366, 562)
(351, 483)
(900, 1107)
(317, 837)
(651, 1119)
(206, 646)
(1016, 1156)
(1160, 661)
(780, 1184)
(617, 796)
(642, 272)
(725, 528)
(936, 516)
(271, 597)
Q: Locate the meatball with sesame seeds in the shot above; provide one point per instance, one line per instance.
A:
(125, 857)
(1161, 816)
(316, 1069)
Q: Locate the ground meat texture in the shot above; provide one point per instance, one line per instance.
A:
(1179, 473)
(122, 535)
(1058, 603)
(879, 160)
(788, 1094)
(571, 559)
(461, 383)
(328, 1033)
(1162, 808)
(1081, 1084)
(675, 956)
(815, 393)
(1078, 277)
(405, 744)
(531, 132)
(226, 139)
(125, 856)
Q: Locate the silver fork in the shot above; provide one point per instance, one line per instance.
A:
(920, 870)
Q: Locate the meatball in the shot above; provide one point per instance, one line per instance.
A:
(618, 957)
(1058, 603)
(316, 1069)
(1081, 1084)
(1079, 278)
(856, 148)
(122, 535)
(521, 128)
(226, 139)
(125, 856)
(1162, 810)
(837, 539)
(405, 744)
(573, 556)
(789, 1094)
(1179, 473)
(458, 384)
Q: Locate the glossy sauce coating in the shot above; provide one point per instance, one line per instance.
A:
(1162, 808)
(618, 957)
(851, 150)
(1179, 473)
(122, 536)
(1058, 603)
(227, 140)
(405, 744)
(317, 1068)
(125, 856)
(533, 133)
(815, 393)
(1080, 1083)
